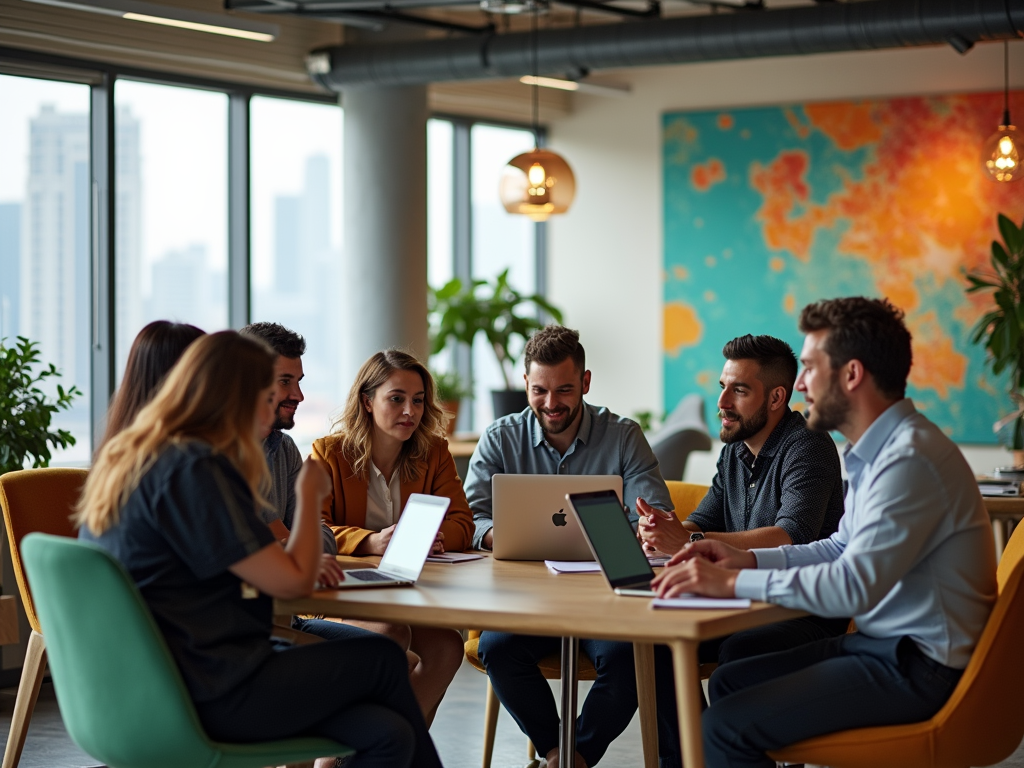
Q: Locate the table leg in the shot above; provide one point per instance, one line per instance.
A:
(643, 657)
(688, 693)
(570, 678)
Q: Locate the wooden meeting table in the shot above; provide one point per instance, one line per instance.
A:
(526, 598)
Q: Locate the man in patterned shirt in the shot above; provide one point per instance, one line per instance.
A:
(777, 483)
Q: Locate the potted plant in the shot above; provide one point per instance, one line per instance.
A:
(25, 411)
(1001, 329)
(450, 391)
(458, 312)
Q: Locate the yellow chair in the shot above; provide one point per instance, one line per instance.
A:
(34, 500)
(981, 724)
(685, 498)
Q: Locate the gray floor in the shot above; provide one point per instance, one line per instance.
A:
(457, 733)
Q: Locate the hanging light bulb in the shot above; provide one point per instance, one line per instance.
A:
(538, 183)
(1000, 156)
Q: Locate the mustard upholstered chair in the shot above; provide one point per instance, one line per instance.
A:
(981, 724)
(685, 498)
(34, 500)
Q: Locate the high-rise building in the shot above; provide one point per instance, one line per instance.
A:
(10, 268)
(302, 229)
(55, 264)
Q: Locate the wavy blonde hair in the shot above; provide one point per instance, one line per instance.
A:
(209, 395)
(354, 428)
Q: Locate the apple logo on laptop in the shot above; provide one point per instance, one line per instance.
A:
(558, 518)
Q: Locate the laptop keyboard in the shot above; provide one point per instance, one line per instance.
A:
(368, 574)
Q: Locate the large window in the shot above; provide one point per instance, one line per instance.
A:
(44, 235)
(171, 180)
(464, 154)
(296, 243)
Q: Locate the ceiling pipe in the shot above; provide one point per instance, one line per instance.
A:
(822, 28)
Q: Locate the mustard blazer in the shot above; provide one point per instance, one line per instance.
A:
(345, 509)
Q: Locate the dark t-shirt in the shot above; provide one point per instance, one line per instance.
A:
(191, 518)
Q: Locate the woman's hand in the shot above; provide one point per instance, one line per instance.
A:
(330, 573)
(438, 544)
(313, 482)
(375, 543)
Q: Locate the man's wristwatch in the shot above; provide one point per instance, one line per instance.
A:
(696, 536)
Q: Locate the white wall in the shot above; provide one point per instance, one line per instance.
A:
(605, 257)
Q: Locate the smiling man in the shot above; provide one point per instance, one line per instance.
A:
(560, 433)
(282, 454)
(913, 560)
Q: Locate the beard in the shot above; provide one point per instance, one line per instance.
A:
(745, 428)
(284, 420)
(566, 423)
(829, 411)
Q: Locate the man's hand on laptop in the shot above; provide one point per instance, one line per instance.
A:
(697, 576)
(713, 551)
(659, 530)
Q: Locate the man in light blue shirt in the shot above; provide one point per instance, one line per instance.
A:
(561, 434)
(913, 560)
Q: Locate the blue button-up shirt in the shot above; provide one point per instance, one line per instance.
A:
(606, 444)
(913, 555)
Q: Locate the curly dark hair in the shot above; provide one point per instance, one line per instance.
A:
(774, 356)
(869, 330)
(552, 344)
(284, 341)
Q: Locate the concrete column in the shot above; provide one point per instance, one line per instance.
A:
(383, 297)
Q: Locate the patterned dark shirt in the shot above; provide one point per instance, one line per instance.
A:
(794, 483)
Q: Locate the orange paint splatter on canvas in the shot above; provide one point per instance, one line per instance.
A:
(789, 304)
(849, 125)
(776, 263)
(683, 327)
(704, 378)
(681, 273)
(937, 364)
(706, 175)
(725, 121)
(802, 129)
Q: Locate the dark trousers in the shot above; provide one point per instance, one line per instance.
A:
(853, 681)
(355, 691)
(771, 638)
(511, 662)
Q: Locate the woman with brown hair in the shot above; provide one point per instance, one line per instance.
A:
(154, 352)
(174, 497)
(388, 443)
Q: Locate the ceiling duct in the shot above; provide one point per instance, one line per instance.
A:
(822, 28)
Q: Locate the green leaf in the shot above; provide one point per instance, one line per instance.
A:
(1012, 235)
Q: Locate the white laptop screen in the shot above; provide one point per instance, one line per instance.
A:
(414, 536)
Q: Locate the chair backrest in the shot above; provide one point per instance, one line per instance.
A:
(120, 693)
(686, 496)
(37, 501)
(981, 724)
(683, 431)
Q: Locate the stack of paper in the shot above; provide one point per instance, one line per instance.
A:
(692, 601)
(573, 566)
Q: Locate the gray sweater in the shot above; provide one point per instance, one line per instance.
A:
(285, 461)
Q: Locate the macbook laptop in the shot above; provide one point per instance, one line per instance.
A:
(409, 546)
(531, 521)
(613, 542)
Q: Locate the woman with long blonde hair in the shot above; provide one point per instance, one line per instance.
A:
(388, 443)
(174, 497)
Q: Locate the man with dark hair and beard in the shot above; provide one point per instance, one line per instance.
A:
(777, 483)
(559, 433)
(282, 454)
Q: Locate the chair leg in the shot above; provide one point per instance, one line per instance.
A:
(28, 692)
(491, 710)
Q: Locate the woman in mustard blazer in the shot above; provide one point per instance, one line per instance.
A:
(388, 443)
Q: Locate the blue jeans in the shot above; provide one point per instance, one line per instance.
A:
(854, 681)
(511, 662)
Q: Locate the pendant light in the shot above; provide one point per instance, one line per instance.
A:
(1001, 155)
(538, 183)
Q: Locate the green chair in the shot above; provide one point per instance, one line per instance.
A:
(120, 693)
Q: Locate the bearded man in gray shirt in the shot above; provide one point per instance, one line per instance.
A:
(561, 434)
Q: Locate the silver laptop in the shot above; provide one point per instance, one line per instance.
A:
(612, 540)
(531, 520)
(409, 546)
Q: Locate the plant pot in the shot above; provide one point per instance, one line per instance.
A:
(452, 409)
(507, 401)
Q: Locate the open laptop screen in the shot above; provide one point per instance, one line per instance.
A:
(611, 538)
(414, 535)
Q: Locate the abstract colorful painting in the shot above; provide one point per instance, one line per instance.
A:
(769, 209)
